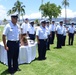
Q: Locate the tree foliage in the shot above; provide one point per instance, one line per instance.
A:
(4, 21)
(18, 7)
(50, 10)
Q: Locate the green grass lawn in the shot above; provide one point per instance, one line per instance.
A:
(58, 62)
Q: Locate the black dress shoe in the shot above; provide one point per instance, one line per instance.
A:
(48, 49)
(12, 74)
(18, 69)
(11, 71)
(39, 58)
(44, 58)
(57, 47)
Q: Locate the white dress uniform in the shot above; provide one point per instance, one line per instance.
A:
(12, 32)
(48, 30)
(64, 36)
(52, 27)
(65, 31)
(24, 28)
(71, 31)
(48, 39)
(42, 35)
(59, 30)
(31, 30)
(52, 30)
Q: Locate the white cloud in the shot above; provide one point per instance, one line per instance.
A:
(70, 13)
(3, 13)
(33, 15)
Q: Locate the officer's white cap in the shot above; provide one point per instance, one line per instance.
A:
(14, 15)
(26, 19)
(61, 21)
(47, 21)
(72, 22)
(31, 21)
(42, 21)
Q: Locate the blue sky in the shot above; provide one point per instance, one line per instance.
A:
(32, 7)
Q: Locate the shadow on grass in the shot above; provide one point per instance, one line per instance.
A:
(56, 48)
(5, 72)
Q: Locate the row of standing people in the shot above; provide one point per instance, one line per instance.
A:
(46, 34)
(29, 29)
(62, 31)
(12, 33)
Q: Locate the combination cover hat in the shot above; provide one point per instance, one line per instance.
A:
(14, 15)
(43, 21)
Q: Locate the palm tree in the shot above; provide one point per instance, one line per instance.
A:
(9, 12)
(18, 7)
(65, 3)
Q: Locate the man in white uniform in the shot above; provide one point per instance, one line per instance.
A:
(48, 39)
(42, 36)
(59, 34)
(64, 35)
(52, 31)
(11, 32)
(31, 30)
(71, 31)
(24, 27)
